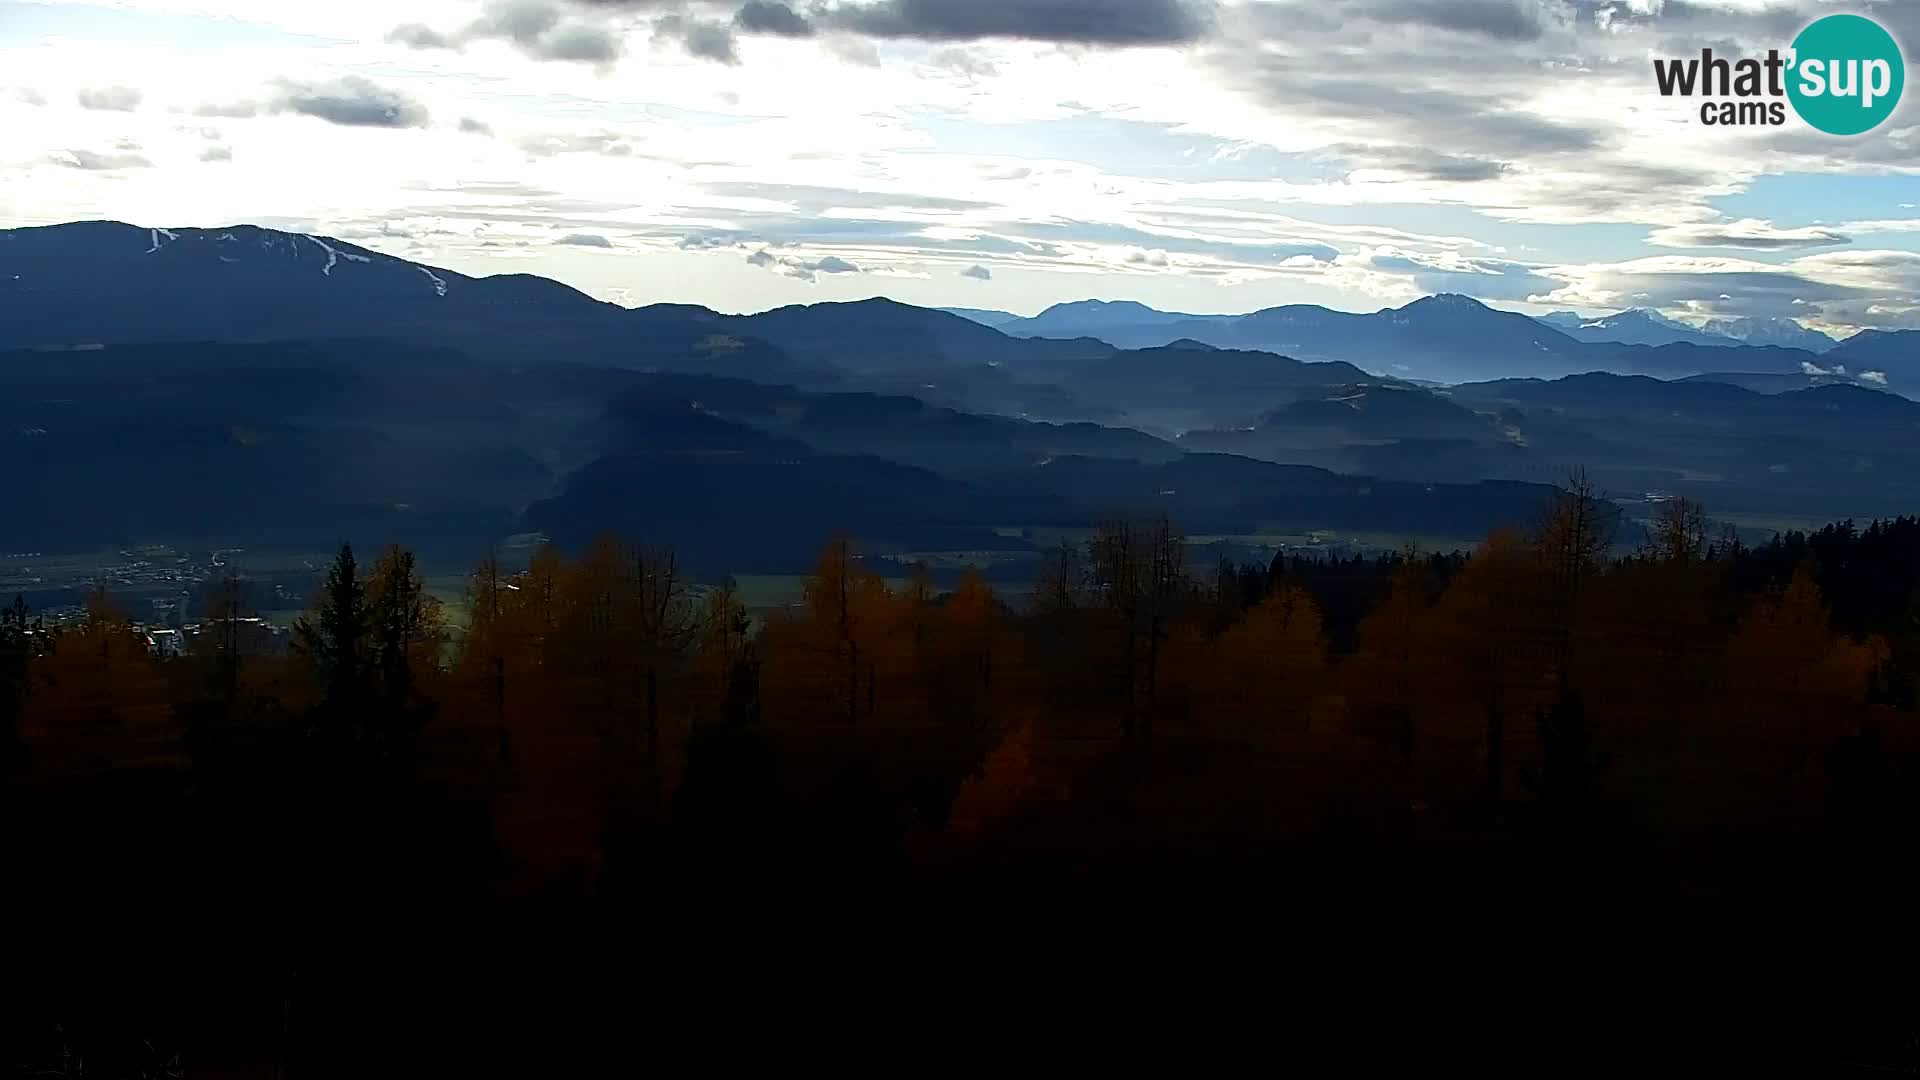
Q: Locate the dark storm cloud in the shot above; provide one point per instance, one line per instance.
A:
(771, 17)
(1085, 22)
(352, 101)
(977, 273)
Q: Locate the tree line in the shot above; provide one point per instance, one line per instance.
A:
(572, 712)
(601, 729)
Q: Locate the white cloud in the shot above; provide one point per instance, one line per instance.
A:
(1753, 233)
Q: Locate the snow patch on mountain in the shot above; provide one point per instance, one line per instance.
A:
(334, 255)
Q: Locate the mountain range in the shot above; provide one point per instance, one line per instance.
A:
(1134, 324)
(242, 385)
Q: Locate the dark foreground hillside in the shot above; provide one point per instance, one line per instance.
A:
(618, 799)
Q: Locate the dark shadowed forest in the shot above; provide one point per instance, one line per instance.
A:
(213, 854)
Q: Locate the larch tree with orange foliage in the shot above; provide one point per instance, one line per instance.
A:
(1384, 677)
(1266, 669)
(98, 700)
(1796, 676)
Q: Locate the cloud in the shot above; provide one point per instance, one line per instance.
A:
(977, 273)
(475, 127)
(231, 110)
(1505, 20)
(1885, 225)
(542, 29)
(800, 268)
(92, 161)
(1082, 22)
(853, 50)
(1877, 378)
(701, 38)
(29, 95)
(421, 36)
(1420, 163)
(351, 101)
(111, 99)
(1447, 272)
(1754, 233)
(579, 43)
(816, 199)
(606, 143)
(963, 61)
(708, 241)
(1405, 114)
(771, 17)
(592, 240)
(1835, 288)
(217, 154)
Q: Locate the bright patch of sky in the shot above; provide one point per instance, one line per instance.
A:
(1200, 155)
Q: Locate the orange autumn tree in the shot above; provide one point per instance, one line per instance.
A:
(1488, 653)
(958, 666)
(1262, 675)
(826, 660)
(1385, 678)
(97, 699)
(1793, 677)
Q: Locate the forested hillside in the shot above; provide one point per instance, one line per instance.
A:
(1536, 723)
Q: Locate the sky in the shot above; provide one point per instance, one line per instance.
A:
(1196, 155)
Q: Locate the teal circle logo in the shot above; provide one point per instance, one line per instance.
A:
(1846, 74)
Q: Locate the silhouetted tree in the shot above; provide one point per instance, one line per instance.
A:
(334, 638)
(1573, 539)
(1138, 576)
(405, 635)
(1679, 531)
(1569, 767)
(18, 629)
(666, 627)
